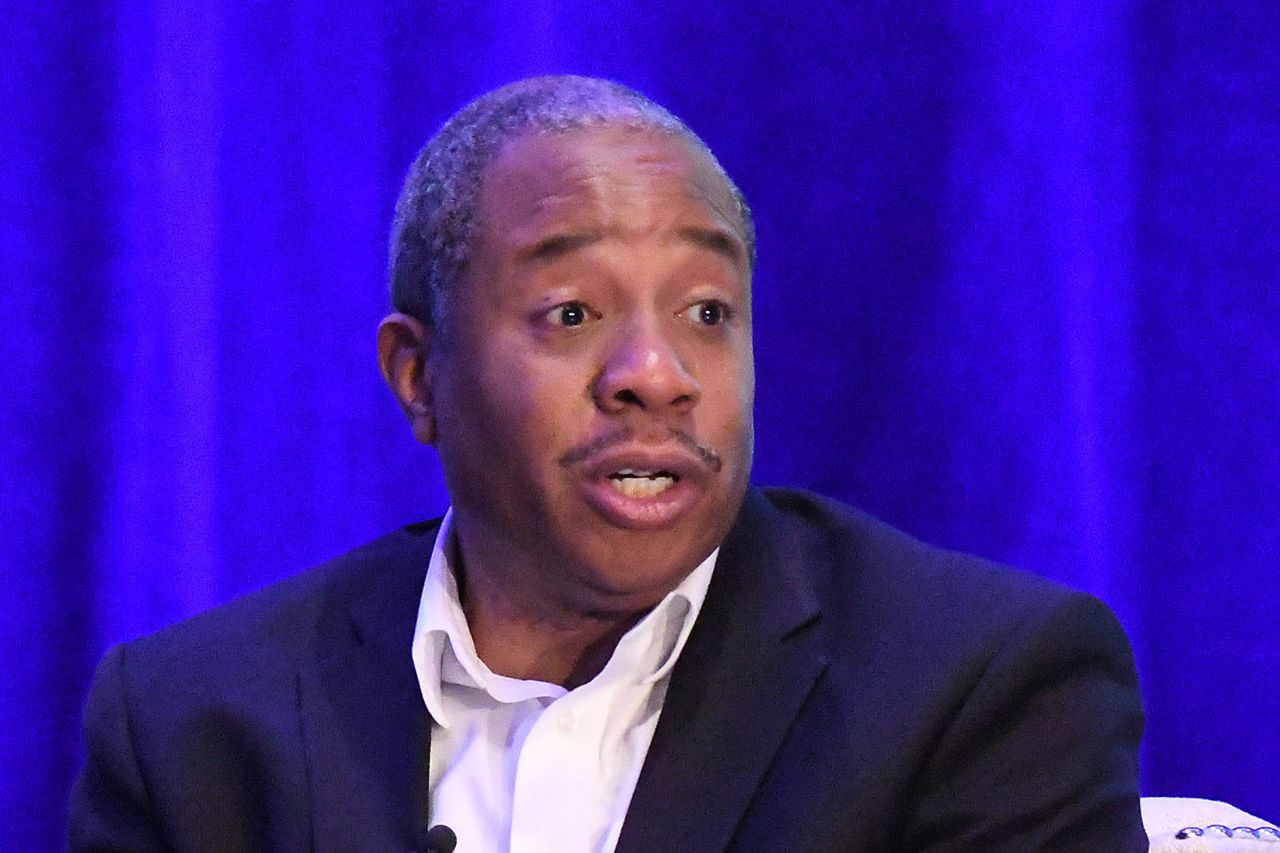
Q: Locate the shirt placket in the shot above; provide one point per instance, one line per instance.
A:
(563, 767)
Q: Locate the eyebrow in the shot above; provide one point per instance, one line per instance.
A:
(715, 240)
(557, 246)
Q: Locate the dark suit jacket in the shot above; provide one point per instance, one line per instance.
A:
(845, 688)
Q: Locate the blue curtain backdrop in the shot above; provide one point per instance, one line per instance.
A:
(1017, 294)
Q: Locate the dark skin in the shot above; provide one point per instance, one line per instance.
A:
(591, 403)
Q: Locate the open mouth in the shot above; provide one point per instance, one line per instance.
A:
(645, 488)
(642, 484)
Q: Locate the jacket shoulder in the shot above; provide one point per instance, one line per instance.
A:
(292, 619)
(864, 571)
(853, 540)
(978, 697)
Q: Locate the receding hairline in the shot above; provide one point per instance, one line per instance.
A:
(436, 212)
(705, 172)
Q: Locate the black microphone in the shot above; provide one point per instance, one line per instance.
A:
(437, 839)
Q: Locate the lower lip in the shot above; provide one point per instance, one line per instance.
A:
(661, 510)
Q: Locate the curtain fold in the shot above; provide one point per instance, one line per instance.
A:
(1017, 294)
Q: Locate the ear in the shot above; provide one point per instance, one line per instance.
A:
(403, 345)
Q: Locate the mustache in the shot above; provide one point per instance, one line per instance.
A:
(608, 440)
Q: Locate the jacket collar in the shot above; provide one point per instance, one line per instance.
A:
(752, 659)
(365, 730)
(749, 663)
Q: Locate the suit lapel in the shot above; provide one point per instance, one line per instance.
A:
(750, 662)
(365, 729)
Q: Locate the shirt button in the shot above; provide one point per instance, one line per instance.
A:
(565, 723)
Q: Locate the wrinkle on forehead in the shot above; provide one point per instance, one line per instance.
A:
(602, 178)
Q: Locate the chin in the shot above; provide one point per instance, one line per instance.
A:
(641, 568)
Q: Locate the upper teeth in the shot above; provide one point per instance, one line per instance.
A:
(641, 484)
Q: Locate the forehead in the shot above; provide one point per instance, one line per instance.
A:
(602, 176)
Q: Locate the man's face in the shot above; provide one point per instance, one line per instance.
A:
(593, 395)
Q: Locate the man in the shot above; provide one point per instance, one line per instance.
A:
(610, 642)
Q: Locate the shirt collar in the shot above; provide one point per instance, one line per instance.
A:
(444, 652)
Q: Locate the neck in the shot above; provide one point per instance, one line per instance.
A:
(523, 629)
(568, 653)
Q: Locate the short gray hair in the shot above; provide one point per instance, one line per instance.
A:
(435, 219)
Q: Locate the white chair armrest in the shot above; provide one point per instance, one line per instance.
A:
(1165, 818)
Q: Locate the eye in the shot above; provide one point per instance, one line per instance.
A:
(708, 312)
(569, 314)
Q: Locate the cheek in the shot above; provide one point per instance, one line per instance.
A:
(529, 407)
(731, 385)
(734, 412)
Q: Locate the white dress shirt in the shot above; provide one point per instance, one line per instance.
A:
(530, 767)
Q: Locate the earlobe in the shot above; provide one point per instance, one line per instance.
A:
(403, 345)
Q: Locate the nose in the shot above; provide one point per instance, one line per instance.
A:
(643, 370)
